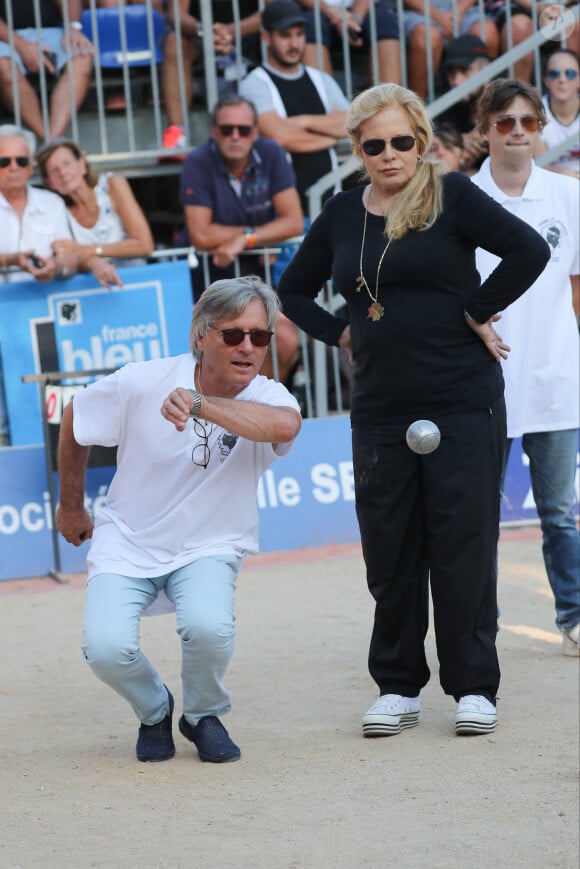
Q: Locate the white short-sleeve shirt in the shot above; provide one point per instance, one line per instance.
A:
(162, 510)
(43, 221)
(542, 371)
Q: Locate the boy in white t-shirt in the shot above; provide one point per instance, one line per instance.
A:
(194, 433)
(542, 375)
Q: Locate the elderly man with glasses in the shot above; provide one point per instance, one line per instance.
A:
(31, 220)
(194, 434)
(542, 387)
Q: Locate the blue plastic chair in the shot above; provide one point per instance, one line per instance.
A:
(139, 52)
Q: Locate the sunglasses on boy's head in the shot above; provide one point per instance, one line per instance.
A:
(554, 74)
(374, 147)
(505, 125)
(23, 162)
(227, 129)
(233, 337)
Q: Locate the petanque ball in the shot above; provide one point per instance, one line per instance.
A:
(423, 436)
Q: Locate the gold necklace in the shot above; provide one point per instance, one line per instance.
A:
(376, 310)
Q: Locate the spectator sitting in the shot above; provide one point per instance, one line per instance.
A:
(521, 28)
(300, 107)
(464, 57)
(447, 148)
(191, 34)
(104, 218)
(359, 34)
(31, 221)
(238, 192)
(70, 83)
(562, 106)
(440, 34)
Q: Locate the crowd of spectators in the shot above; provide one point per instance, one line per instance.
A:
(247, 185)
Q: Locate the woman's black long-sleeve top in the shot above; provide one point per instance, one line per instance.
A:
(421, 358)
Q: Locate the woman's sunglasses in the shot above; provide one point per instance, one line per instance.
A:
(233, 337)
(23, 162)
(554, 74)
(374, 147)
(504, 125)
(227, 129)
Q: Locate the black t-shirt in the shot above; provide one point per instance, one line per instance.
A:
(23, 14)
(421, 357)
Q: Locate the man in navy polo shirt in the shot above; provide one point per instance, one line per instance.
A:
(238, 191)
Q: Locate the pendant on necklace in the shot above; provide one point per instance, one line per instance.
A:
(360, 283)
(376, 311)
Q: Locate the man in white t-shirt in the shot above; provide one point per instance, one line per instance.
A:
(194, 433)
(542, 373)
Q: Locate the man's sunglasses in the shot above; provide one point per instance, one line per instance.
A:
(233, 337)
(554, 74)
(374, 147)
(23, 162)
(227, 129)
(504, 125)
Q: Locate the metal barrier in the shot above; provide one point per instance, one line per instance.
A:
(137, 138)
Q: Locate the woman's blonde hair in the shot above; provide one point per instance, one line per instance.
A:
(419, 203)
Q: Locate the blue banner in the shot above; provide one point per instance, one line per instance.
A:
(75, 325)
(304, 499)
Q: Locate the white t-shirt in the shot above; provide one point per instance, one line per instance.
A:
(555, 132)
(43, 221)
(162, 510)
(542, 372)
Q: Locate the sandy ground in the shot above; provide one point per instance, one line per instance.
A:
(309, 791)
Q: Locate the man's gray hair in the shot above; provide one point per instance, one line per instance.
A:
(10, 130)
(227, 299)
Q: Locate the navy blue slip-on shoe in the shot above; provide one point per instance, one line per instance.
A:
(155, 741)
(211, 739)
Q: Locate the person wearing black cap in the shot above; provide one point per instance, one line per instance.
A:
(300, 107)
(464, 57)
(437, 32)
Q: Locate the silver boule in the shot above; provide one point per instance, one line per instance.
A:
(423, 436)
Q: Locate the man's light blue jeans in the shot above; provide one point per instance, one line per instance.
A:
(553, 462)
(203, 595)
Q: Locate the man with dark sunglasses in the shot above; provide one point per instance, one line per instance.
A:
(238, 193)
(542, 380)
(194, 435)
(31, 219)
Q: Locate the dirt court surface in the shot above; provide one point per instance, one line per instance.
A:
(309, 791)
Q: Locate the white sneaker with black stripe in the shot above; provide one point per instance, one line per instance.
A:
(475, 714)
(391, 714)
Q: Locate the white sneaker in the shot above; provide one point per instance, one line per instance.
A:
(391, 714)
(475, 714)
(571, 642)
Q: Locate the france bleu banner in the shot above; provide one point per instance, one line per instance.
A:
(77, 325)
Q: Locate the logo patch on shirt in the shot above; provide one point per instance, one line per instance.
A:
(225, 443)
(555, 233)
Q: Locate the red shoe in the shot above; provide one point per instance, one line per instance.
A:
(173, 137)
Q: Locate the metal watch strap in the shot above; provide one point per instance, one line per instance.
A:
(196, 407)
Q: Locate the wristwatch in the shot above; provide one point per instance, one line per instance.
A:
(75, 25)
(98, 250)
(196, 407)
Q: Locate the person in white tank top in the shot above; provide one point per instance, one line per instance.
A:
(105, 220)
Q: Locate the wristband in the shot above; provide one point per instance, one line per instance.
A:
(250, 236)
(75, 25)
